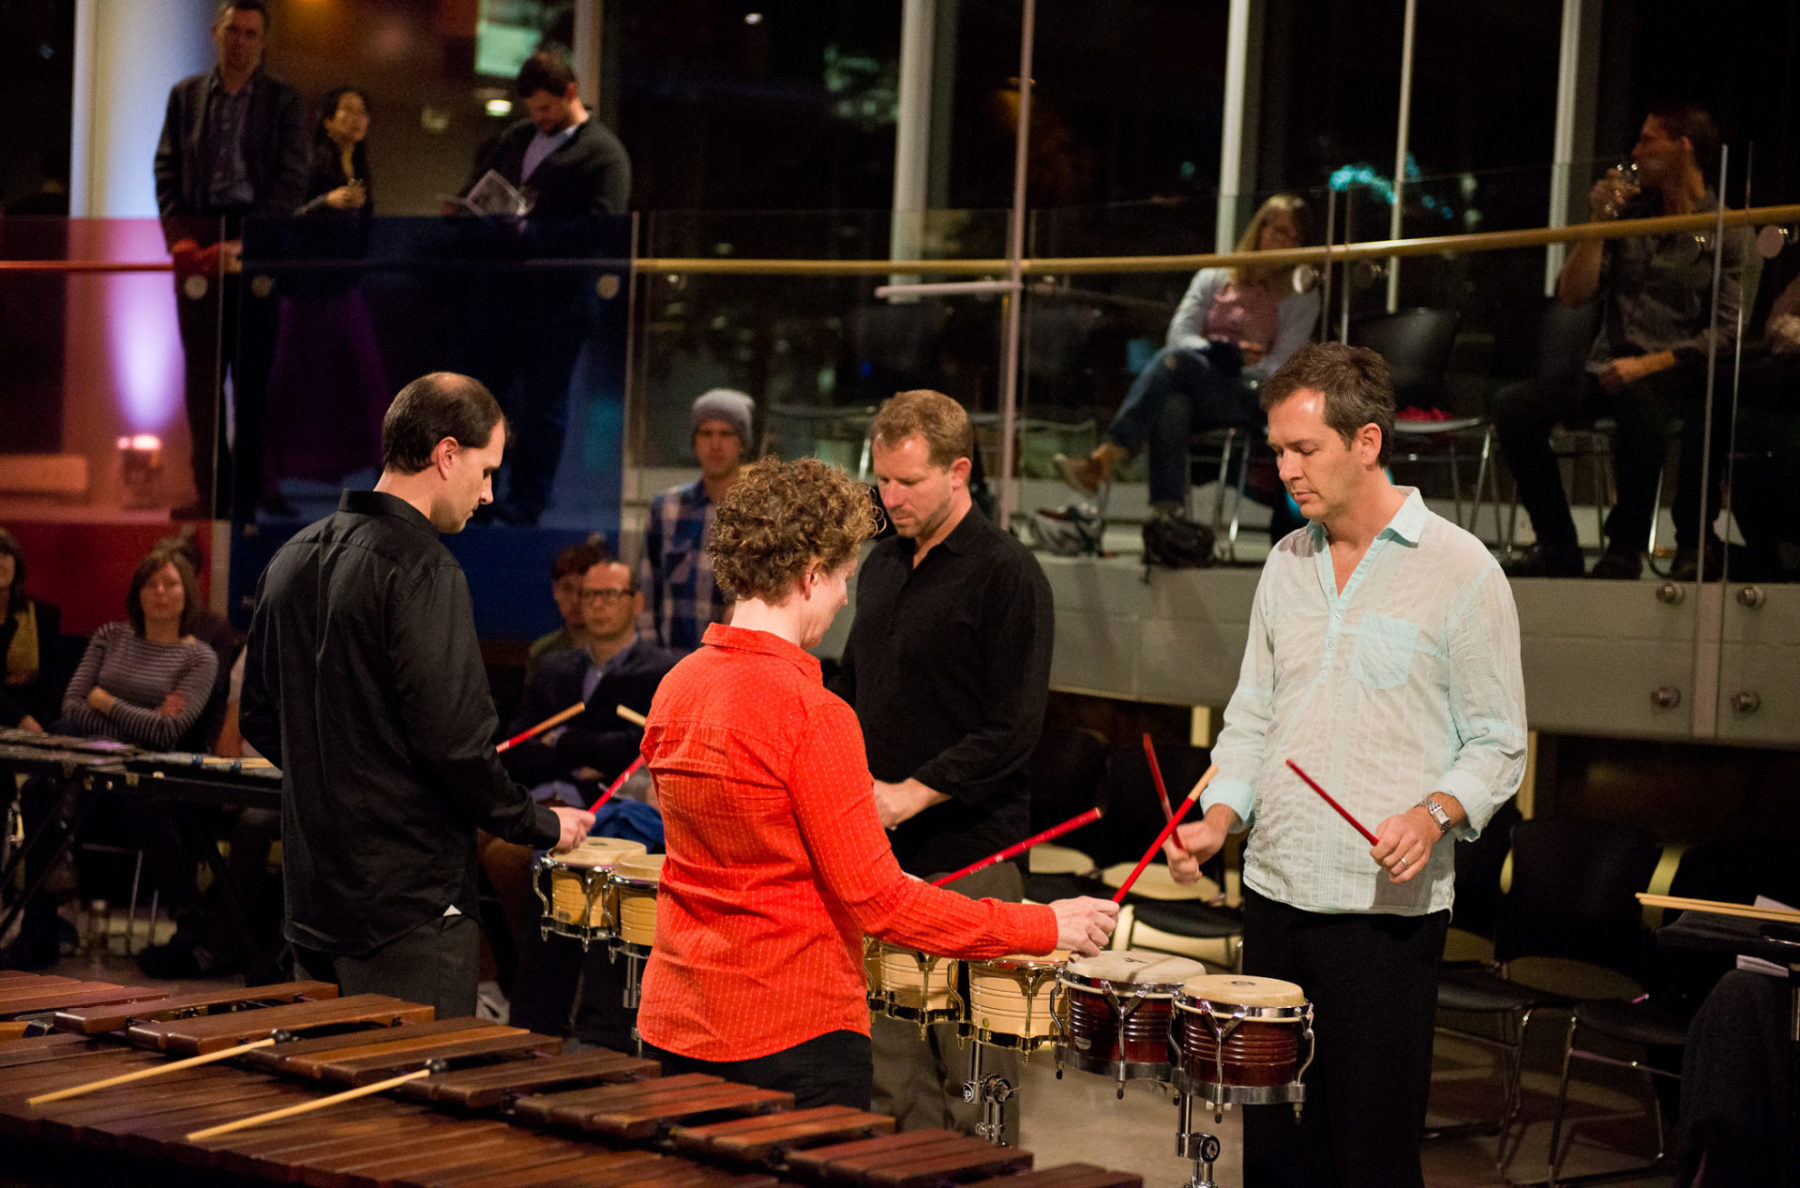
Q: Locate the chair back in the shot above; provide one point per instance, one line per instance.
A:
(1574, 883)
(1064, 777)
(1478, 867)
(1732, 870)
(1416, 344)
(1565, 338)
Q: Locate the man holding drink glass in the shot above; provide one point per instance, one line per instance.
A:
(1647, 368)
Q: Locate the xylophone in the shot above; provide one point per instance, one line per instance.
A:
(482, 1105)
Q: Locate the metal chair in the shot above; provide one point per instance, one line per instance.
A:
(1571, 897)
(1733, 871)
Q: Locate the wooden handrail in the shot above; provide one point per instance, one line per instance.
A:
(1481, 241)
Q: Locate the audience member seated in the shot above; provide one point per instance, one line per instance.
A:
(569, 765)
(29, 632)
(1737, 1088)
(1232, 330)
(146, 682)
(1647, 369)
(566, 571)
(210, 628)
(676, 571)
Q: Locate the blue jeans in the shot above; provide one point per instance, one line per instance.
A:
(1216, 395)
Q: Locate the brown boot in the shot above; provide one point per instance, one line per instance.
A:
(1089, 474)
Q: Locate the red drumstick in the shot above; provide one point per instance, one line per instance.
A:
(1162, 789)
(556, 719)
(617, 784)
(1326, 796)
(1174, 820)
(1013, 851)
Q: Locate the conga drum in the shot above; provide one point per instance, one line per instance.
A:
(918, 987)
(582, 902)
(1238, 1039)
(634, 879)
(1113, 1009)
(1009, 1001)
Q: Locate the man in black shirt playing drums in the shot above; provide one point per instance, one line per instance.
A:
(948, 669)
(363, 682)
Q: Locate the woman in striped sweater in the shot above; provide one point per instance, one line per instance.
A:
(146, 681)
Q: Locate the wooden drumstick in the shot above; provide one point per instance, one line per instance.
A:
(553, 720)
(1187, 803)
(631, 715)
(307, 1107)
(155, 1070)
(1716, 908)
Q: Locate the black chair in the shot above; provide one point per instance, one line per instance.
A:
(1657, 1022)
(1137, 817)
(1064, 779)
(1416, 344)
(1571, 897)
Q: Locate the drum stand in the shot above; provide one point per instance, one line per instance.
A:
(992, 1092)
(1197, 1145)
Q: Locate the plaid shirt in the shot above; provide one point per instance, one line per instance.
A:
(676, 573)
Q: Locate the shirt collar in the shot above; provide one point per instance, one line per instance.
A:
(762, 643)
(1407, 525)
(962, 538)
(215, 83)
(380, 503)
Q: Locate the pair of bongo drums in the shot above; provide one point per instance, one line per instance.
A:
(602, 890)
(1226, 1039)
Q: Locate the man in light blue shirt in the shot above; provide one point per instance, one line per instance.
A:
(1383, 659)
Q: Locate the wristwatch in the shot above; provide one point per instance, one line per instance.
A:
(1437, 814)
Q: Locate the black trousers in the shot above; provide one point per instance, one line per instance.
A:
(1372, 980)
(1646, 414)
(831, 1069)
(436, 963)
(227, 329)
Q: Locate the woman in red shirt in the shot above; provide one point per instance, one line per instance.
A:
(777, 863)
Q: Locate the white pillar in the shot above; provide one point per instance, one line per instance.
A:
(126, 58)
(1572, 139)
(912, 131)
(1402, 142)
(1236, 134)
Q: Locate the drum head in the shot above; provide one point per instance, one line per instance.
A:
(1019, 961)
(1244, 990)
(598, 851)
(640, 868)
(1139, 967)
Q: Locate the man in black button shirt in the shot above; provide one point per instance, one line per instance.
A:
(948, 669)
(363, 682)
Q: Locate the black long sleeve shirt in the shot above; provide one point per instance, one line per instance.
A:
(948, 669)
(363, 682)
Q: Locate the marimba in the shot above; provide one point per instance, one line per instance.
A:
(487, 1106)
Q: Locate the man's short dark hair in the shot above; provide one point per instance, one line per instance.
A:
(431, 408)
(1695, 123)
(545, 70)
(631, 573)
(1356, 384)
(231, 6)
(577, 559)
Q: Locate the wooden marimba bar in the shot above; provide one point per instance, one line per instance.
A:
(498, 1108)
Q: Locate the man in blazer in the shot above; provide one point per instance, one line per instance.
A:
(575, 173)
(234, 146)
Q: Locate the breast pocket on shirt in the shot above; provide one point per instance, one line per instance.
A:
(1384, 651)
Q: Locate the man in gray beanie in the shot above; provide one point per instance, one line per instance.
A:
(676, 574)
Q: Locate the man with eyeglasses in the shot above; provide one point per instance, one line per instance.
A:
(568, 765)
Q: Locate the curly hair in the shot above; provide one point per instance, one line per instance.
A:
(780, 519)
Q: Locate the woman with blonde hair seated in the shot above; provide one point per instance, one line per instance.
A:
(1232, 330)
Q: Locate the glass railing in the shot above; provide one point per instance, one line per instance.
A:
(597, 349)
